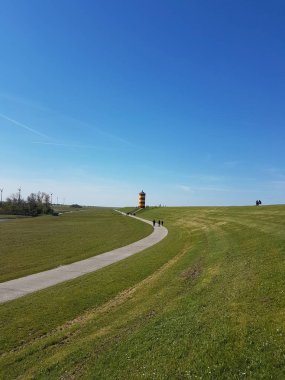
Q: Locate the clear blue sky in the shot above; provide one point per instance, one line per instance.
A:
(183, 99)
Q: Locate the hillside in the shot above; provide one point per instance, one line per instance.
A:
(207, 303)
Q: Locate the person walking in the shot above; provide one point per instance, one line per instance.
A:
(159, 223)
(153, 222)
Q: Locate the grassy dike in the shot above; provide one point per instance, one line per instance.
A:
(207, 302)
(31, 245)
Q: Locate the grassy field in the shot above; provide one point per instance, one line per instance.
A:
(30, 245)
(205, 303)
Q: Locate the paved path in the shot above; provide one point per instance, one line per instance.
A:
(10, 290)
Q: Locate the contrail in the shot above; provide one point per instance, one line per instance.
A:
(24, 126)
(80, 146)
(62, 144)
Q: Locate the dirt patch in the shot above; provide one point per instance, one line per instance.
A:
(191, 274)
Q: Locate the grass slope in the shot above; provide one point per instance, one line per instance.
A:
(207, 302)
(31, 245)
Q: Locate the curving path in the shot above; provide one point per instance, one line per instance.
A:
(19, 287)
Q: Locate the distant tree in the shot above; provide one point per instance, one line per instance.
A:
(34, 205)
(14, 204)
(75, 205)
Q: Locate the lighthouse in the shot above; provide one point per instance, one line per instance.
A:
(142, 199)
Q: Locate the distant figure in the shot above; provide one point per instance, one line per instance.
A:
(159, 223)
(153, 222)
(259, 202)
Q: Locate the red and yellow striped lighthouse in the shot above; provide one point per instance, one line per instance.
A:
(142, 199)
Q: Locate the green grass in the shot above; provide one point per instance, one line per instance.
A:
(8, 216)
(205, 303)
(127, 209)
(30, 245)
